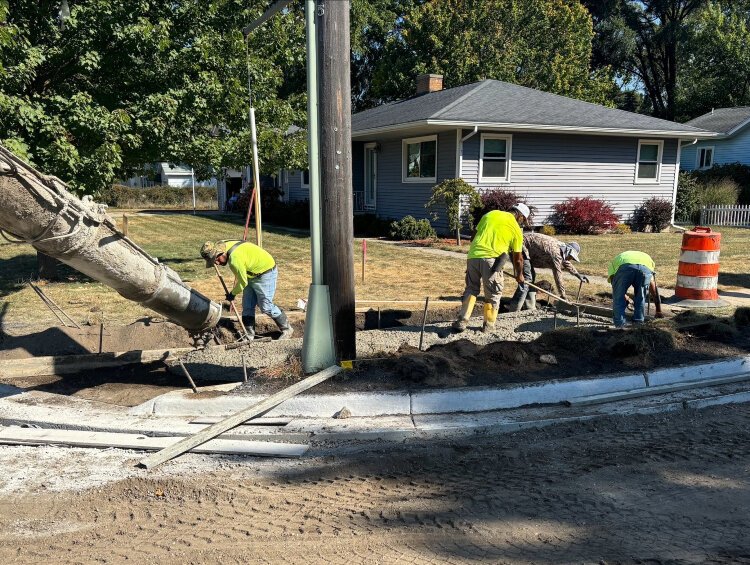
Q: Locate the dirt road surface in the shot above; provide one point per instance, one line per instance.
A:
(650, 489)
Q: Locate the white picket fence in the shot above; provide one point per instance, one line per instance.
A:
(725, 216)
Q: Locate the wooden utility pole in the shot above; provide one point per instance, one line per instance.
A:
(336, 170)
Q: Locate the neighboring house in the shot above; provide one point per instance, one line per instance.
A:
(732, 144)
(497, 135)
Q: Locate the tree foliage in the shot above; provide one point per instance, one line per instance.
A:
(120, 84)
(544, 44)
(459, 200)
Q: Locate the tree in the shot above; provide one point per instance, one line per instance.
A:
(543, 44)
(121, 84)
(715, 60)
(459, 199)
(641, 40)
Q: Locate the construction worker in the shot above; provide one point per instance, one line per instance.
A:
(544, 252)
(498, 235)
(632, 269)
(255, 277)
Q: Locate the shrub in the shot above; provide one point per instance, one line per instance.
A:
(719, 192)
(499, 199)
(737, 172)
(409, 228)
(369, 225)
(460, 200)
(654, 213)
(548, 230)
(621, 229)
(583, 216)
(121, 196)
(687, 206)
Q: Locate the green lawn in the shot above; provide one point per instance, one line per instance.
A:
(664, 248)
(392, 273)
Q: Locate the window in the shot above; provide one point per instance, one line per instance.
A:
(420, 159)
(306, 178)
(705, 157)
(494, 161)
(648, 166)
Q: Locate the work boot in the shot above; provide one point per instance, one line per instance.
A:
(530, 303)
(283, 323)
(467, 307)
(490, 316)
(249, 323)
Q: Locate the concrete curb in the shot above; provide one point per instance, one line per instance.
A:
(366, 404)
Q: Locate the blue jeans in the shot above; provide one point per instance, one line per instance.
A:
(259, 292)
(637, 276)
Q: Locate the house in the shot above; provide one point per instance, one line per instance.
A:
(731, 145)
(497, 135)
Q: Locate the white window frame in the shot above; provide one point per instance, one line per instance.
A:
(508, 150)
(302, 179)
(405, 156)
(659, 157)
(373, 146)
(698, 157)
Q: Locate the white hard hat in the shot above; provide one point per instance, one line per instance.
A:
(523, 209)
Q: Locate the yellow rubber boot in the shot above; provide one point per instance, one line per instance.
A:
(463, 316)
(490, 317)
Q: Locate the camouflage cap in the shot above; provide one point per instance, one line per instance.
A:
(210, 251)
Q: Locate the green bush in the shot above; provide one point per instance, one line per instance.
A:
(720, 192)
(737, 172)
(688, 204)
(409, 228)
(694, 191)
(120, 196)
(369, 225)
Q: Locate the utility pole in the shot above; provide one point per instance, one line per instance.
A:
(336, 171)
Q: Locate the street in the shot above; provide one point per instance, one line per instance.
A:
(668, 488)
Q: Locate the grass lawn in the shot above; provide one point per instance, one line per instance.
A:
(392, 273)
(664, 248)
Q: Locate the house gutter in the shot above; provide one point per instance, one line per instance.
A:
(676, 180)
(460, 148)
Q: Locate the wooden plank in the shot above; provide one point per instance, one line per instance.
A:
(235, 420)
(37, 436)
(253, 422)
(67, 364)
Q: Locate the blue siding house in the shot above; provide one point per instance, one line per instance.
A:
(731, 145)
(497, 135)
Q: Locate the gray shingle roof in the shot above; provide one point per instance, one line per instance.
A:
(722, 120)
(497, 102)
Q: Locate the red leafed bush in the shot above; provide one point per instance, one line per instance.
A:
(584, 216)
(654, 214)
(499, 199)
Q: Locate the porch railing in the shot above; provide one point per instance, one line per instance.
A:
(738, 215)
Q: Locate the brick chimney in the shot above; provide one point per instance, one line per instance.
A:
(429, 83)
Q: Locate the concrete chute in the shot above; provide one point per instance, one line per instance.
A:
(38, 209)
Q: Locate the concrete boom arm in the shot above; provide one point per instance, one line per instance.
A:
(37, 209)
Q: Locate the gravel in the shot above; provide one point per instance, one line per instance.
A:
(218, 363)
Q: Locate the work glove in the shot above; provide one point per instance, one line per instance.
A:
(583, 278)
(230, 297)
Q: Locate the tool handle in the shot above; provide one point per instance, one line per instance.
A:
(547, 292)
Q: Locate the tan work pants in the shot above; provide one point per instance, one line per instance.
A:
(478, 273)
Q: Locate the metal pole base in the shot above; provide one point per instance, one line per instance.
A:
(317, 344)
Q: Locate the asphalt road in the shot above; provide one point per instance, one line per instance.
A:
(669, 488)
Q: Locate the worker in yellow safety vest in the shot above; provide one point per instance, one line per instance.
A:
(255, 275)
(498, 236)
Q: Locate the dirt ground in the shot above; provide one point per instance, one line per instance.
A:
(665, 489)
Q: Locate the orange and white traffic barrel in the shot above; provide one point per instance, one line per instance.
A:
(698, 271)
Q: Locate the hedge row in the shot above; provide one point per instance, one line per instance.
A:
(120, 196)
